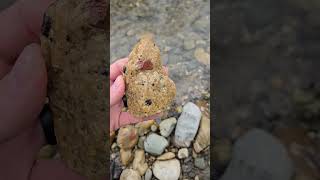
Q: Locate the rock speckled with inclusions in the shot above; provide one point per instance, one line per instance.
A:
(74, 46)
(149, 90)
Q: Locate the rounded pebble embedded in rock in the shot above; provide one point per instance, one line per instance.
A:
(155, 144)
(167, 170)
(154, 128)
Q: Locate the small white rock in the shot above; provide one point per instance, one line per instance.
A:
(167, 170)
(130, 174)
(183, 153)
(148, 175)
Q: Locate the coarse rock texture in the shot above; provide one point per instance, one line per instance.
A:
(74, 47)
(149, 90)
(139, 163)
(167, 170)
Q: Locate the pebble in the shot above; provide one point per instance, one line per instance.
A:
(196, 177)
(125, 156)
(203, 138)
(155, 144)
(148, 174)
(202, 56)
(188, 44)
(187, 125)
(139, 163)
(167, 170)
(127, 137)
(130, 174)
(183, 153)
(144, 127)
(251, 158)
(154, 128)
(167, 126)
(200, 163)
(166, 156)
(141, 142)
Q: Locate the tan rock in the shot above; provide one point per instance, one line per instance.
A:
(149, 89)
(130, 174)
(166, 156)
(203, 138)
(139, 163)
(144, 127)
(125, 156)
(127, 137)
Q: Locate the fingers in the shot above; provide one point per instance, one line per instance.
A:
(22, 92)
(117, 90)
(116, 68)
(21, 26)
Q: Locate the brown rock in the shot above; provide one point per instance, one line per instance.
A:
(203, 138)
(149, 89)
(130, 174)
(73, 42)
(202, 56)
(144, 127)
(139, 163)
(125, 156)
(127, 137)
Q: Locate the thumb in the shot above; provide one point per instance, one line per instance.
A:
(22, 92)
(117, 90)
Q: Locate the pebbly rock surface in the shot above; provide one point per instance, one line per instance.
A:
(187, 125)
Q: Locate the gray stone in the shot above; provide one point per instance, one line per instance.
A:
(258, 155)
(200, 163)
(167, 126)
(187, 125)
(148, 175)
(167, 170)
(155, 144)
(188, 44)
(141, 142)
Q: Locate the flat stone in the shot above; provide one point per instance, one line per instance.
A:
(203, 138)
(167, 126)
(167, 170)
(148, 174)
(130, 174)
(166, 156)
(187, 125)
(155, 144)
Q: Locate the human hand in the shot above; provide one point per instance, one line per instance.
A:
(117, 90)
(23, 81)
